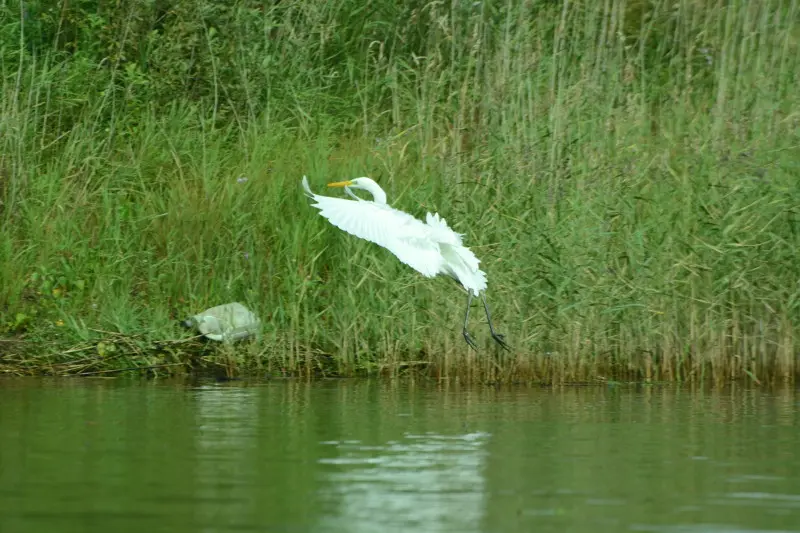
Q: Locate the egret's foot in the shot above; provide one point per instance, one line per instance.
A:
(500, 339)
(469, 340)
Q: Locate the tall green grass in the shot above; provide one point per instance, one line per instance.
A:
(628, 172)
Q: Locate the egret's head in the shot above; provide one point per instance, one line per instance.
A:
(366, 184)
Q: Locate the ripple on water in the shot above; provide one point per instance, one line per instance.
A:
(423, 482)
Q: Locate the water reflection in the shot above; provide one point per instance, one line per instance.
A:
(225, 439)
(352, 456)
(424, 482)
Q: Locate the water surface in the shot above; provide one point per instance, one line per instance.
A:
(366, 456)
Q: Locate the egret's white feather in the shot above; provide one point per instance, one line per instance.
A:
(400, 233)
(464, 266)
(429, 247)
(441, 230)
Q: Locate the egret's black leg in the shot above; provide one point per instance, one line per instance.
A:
(498, 337)
(466, 321)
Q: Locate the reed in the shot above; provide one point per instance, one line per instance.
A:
(626, 171)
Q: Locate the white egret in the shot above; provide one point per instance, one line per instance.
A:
(429, 247)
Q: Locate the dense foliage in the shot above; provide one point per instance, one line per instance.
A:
(627, 172)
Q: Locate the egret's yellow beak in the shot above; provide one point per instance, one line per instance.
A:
(340, 184)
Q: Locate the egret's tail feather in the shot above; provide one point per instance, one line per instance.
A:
(465, 266)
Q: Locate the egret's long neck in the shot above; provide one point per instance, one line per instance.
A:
(378, 196)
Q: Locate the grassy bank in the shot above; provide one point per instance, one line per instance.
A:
(628, 173)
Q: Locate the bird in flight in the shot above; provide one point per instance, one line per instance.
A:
(429, 247)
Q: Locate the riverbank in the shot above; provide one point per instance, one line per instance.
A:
(634, 206)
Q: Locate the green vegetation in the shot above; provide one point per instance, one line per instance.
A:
(628, 172)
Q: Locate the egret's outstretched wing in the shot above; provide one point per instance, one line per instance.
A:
(400, 233)
(441, 230)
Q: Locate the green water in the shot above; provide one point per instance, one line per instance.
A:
(363, 456)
